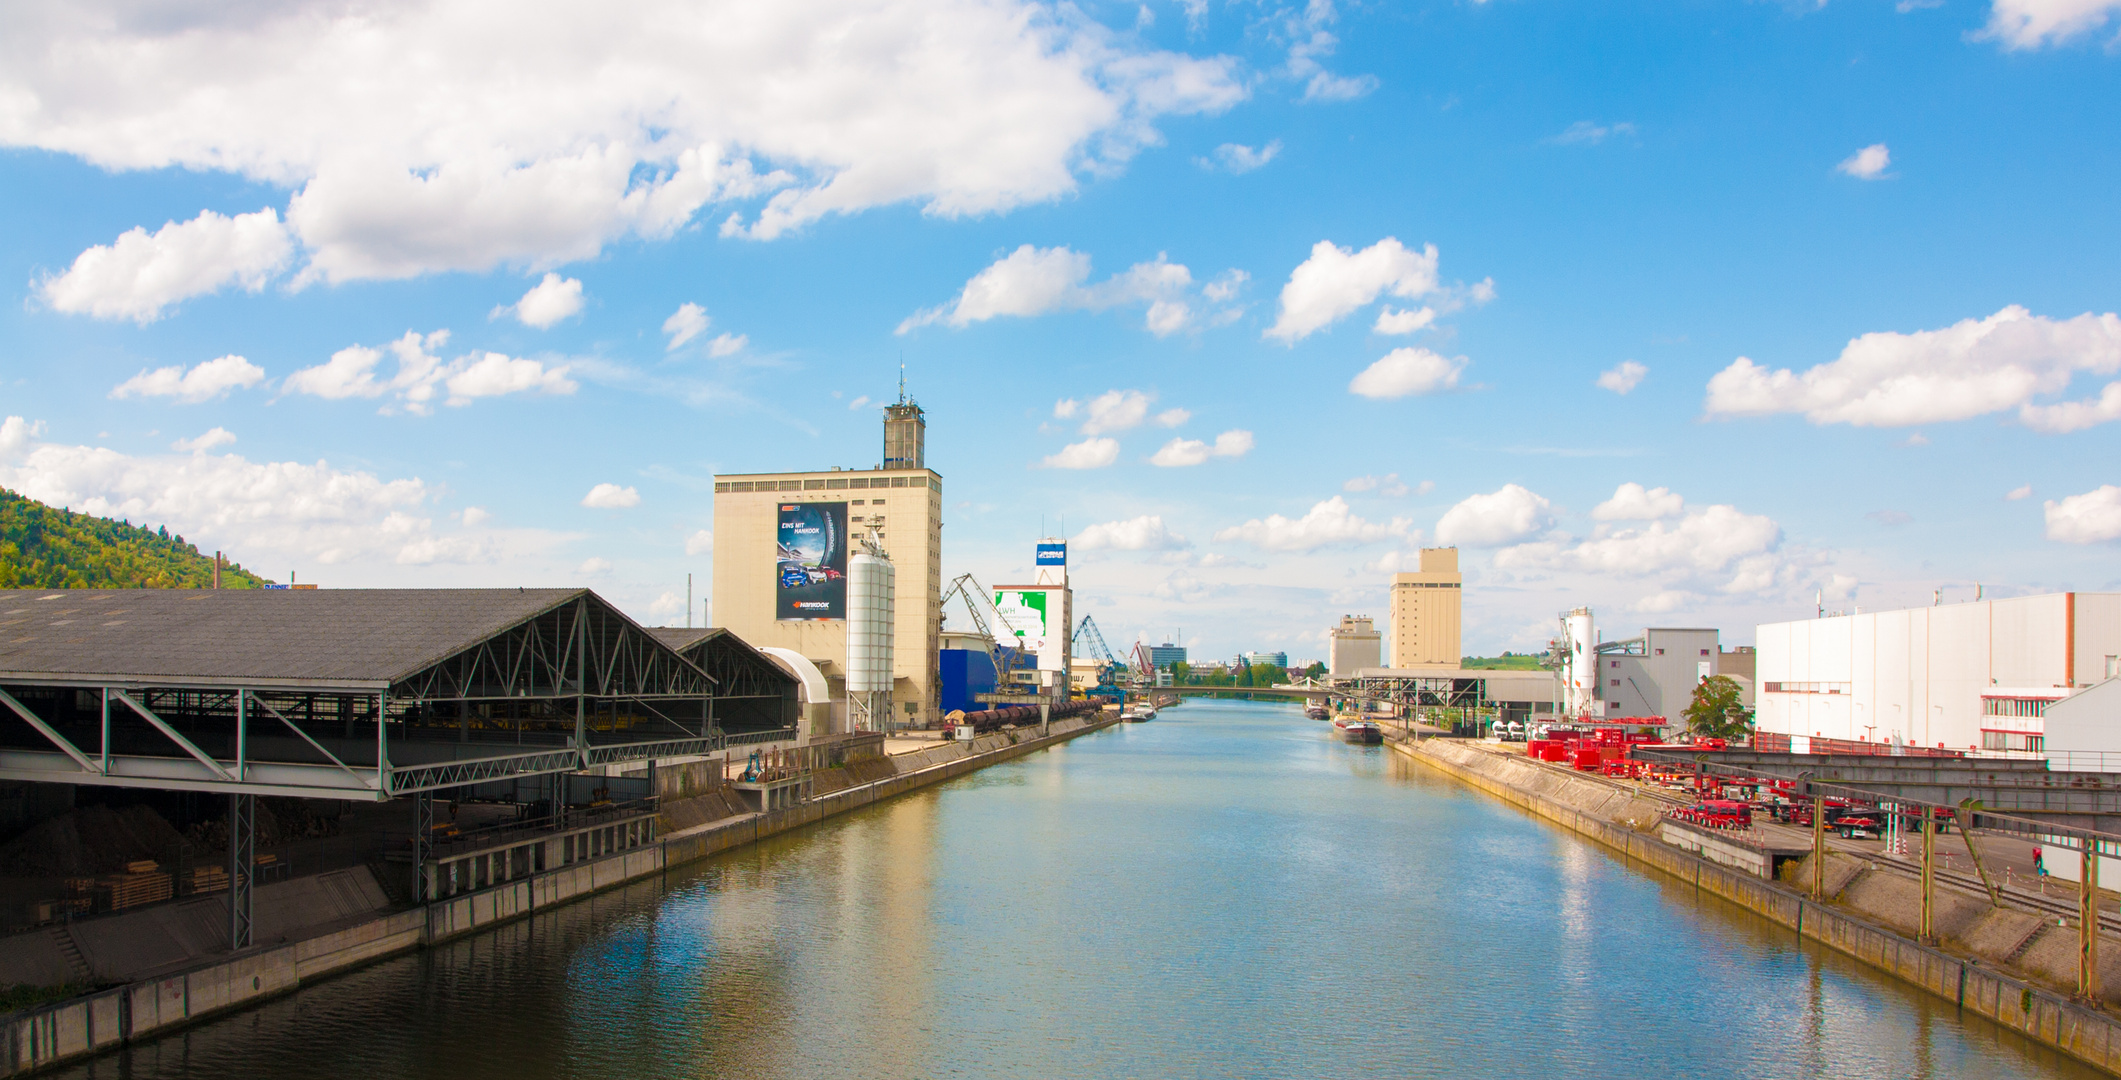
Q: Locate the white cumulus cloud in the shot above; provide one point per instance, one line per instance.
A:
(2029, 24)
(611, 497)
(1717, 548)
(688, 322)
(1868, 163)
(1395, 321)
(1968, 369)
(421, 375)
(286, 511)
(1328, 524)
(535, 133)
(1335, 281)
(552, 299)
(1116, 410)
(16, 435)
(1504, 516)
(2091, 518)
(219, 436)
(1407, 371)
(1181, 452)
(2020, 492)
(699, 543)
(203, 382)
(1033, 281)
(1623, 378)
(1633, 502)
(1094, 453)
(1239, 159)
(138, 276)
(1144, 533)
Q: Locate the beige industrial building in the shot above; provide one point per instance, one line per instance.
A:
(1354, 645)
(899, 504)
(1425, 612)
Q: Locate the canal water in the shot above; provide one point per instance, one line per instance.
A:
(1222, 892)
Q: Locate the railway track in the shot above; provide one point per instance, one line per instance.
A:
(1972, 883)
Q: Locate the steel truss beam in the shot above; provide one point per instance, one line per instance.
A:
(55, 738)
(605, 755)
(405, 781)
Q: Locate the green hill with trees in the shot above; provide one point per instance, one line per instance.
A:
(42, 547)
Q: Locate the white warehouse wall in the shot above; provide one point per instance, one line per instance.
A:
(1919, 673)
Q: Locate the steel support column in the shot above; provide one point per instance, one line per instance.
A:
(423, 838)
(1819, 847)
(242, 863)
(2088, 925)
(1929, 878)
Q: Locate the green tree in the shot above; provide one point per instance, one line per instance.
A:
(1181, 671)
(43, 547)
(1317, 670)
(1717, 711)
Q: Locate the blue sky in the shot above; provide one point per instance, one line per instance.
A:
(1250, 300)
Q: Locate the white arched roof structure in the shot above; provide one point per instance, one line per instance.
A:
(815, 691)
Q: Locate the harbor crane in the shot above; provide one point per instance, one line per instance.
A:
(1090, 641)
(1003, 662)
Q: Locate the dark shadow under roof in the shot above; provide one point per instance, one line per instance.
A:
(321, 636)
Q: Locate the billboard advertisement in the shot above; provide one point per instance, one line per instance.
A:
(1052, 555)
(810, 576)
(1038, 621)
(1024, 617)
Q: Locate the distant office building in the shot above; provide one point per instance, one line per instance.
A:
(1425, 612)
(1354, 645)
(1271, 659)
(1161, 657)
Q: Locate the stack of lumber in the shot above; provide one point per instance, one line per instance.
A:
(206, 879)
(143, 882)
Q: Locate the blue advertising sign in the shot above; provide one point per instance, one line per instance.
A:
(1052, 555)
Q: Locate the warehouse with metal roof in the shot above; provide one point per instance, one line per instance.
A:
(344, 693)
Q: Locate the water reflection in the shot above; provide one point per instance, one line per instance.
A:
(1223, 892)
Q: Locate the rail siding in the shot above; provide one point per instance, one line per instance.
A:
(2086, 1034)
(57, 1033)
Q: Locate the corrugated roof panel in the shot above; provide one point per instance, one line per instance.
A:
(324, 635)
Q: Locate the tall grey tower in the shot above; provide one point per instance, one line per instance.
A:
(905, 431)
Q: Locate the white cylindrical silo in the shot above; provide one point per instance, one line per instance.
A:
(1579, 633)
(871, 599)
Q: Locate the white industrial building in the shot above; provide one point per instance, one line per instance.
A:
(1969, 676)
(1652, 674)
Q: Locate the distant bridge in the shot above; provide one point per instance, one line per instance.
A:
(1320, 694)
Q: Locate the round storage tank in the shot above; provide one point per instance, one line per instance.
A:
(872, 586)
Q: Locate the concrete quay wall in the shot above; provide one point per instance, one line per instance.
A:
(2053, 1019)
(53, 1034)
